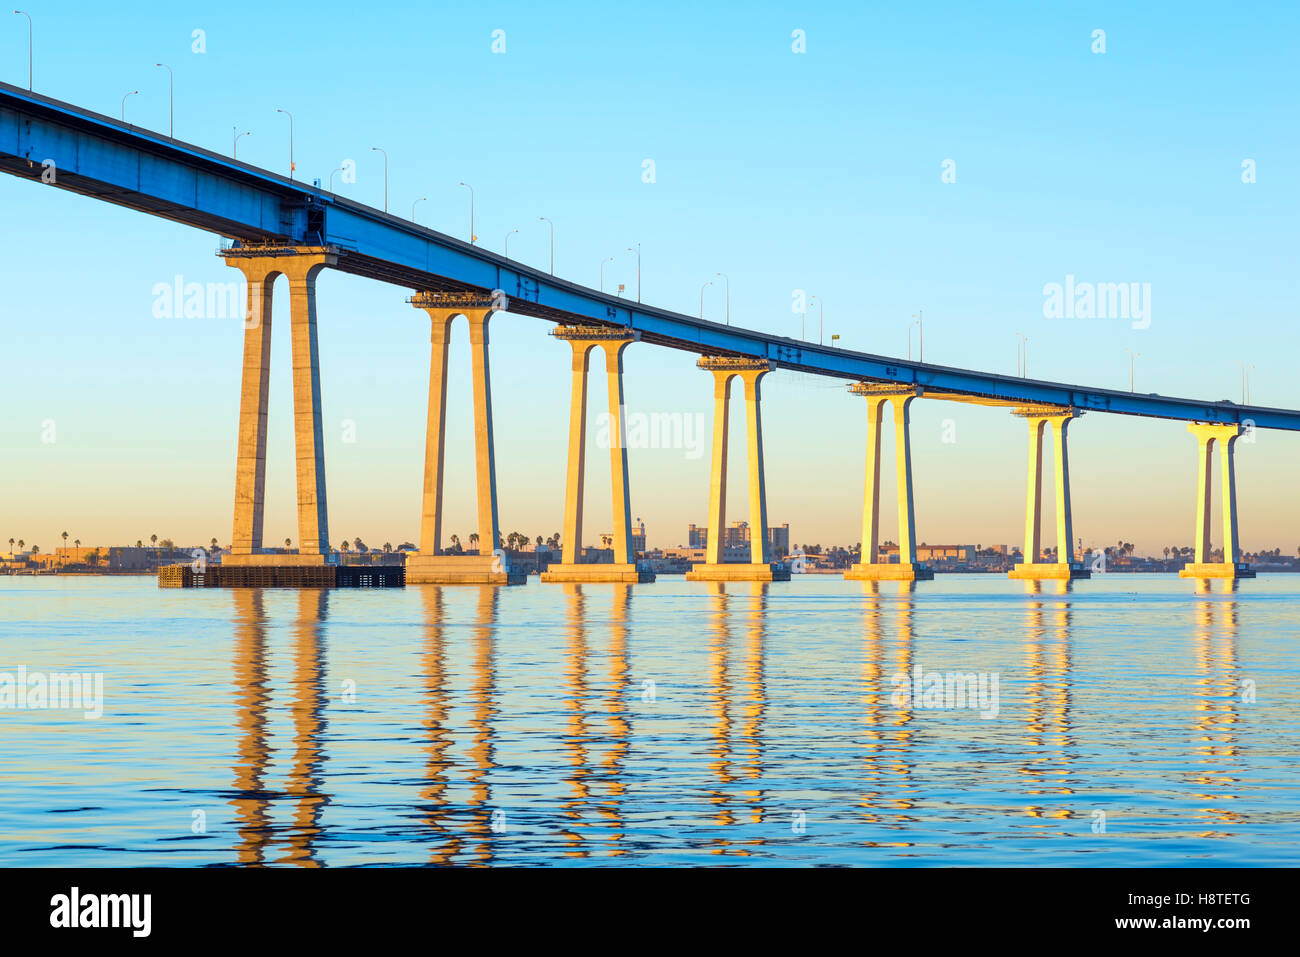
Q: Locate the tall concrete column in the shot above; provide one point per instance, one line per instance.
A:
(715, 568)
(871, 491)
(435, 440)
(1207, 435)
(308, 434)
(1204, 473)
(618, 453)
(870, 567)
(903, 463)
(1034, 493)
(715, 547)
(489, 531)
(250, 455)
(612, 340)
(757, 479)
(431, 565)
(1064, 513)
(1065, 567)
(1228, 505)
(576, 475)
(299, 265)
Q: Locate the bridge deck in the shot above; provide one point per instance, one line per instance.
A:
(128, 166)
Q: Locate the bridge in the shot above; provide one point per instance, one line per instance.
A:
(281, 226)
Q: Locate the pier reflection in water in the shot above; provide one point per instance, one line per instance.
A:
(683, 723)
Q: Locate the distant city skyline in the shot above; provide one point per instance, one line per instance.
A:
(118, 420)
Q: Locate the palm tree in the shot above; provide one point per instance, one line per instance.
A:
(388, 546)
(11, 547)
(153, 539)
(76, 542)
(344, 547)
(455, 543)
(139, 544)
(214, 543)
(21, 544)
(473, 539)
(288, 542)
(65, 541)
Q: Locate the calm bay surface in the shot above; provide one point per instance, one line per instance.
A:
(1140, 720)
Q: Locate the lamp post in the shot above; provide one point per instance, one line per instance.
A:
(132, 93)
(727, 279)
(821, 321)
(543, 219)
(637, 250)
(22, 13)
(1245, 381)
(920, 334)
(290, 115)
(1019, 339)
(608, 259)
(472, 238)
(171, 101)
(1131, 357)
(416, 203)
(334, 173)
(234, 144)
(702, 288)
(376, 149)
(508, 235)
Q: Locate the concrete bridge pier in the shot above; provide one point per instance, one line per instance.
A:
(871, 568)
(612, 341)
(260, 266)
(1065, 567)
(1207, 435)
(759, 567)
(431, 565)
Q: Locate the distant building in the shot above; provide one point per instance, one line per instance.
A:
(638, 538)
(960, 554)
(737, 536)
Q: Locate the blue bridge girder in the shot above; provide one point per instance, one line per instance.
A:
(142, 170)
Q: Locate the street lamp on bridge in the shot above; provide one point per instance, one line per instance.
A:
(472, 238)
(132, 93)
(234, 146)
(920, 335)
(702, 288)
(637, 250)
(171, 101)
(290, 115)
(1131, 357)
(602, 272)
(413, 205)
(543, 219)
(22, 13)
(376, 149)
(508, 235)
(1245, 381)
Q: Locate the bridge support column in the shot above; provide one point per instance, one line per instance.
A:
(612, 341)
(760, 567)
(1065, 567)
(260, 266)
(432, 565)
(1207, 435)
(871, 568)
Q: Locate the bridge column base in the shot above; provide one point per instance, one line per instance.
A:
(1038, 571)
(286, 559)
(619, 574)
(461, 570)
(1216, 570)
(739, 572)
(889, 572)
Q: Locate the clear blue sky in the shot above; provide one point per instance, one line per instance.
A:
(818, 171)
